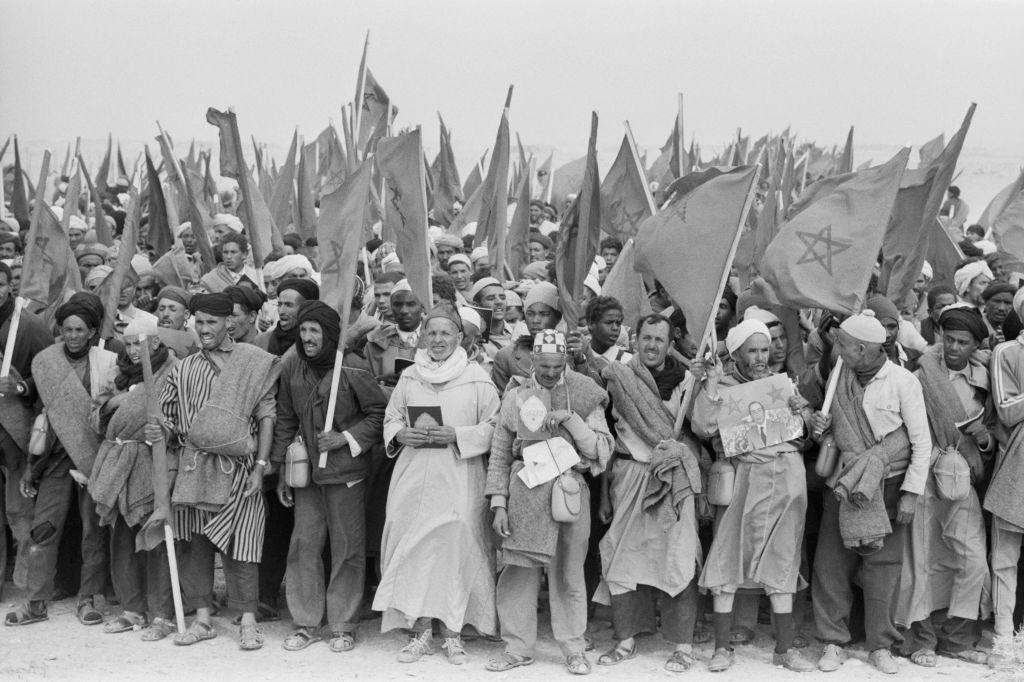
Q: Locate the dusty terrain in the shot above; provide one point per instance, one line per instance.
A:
(61, 648)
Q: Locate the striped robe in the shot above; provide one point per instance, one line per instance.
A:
(237, 529)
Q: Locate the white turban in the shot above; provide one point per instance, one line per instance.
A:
(864, 327)
(229, 221)
(739, 334)
(435, 232)
(141, 324)
(755, 313)
(141, 265)
(75, 222)
(479, 253)
(470, 316)
(469, 229)
(460, 258)
(181, 228)
(97, 275)
(927, 271)
(963, 277)
(482, 284)
(293, 261)
(401, 285)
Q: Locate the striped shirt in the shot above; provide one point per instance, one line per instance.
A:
(236, 529)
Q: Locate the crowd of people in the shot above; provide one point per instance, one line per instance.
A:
(481, 453)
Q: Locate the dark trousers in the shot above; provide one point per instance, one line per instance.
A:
(940, 632)
(195, 565)
(276, 539)
(836, 567)
(15, 510)
(633, 613)
(142, 580)
(592, 564)
(334, 513)
(53, 502)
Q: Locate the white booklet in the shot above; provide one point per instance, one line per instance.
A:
(543, 461)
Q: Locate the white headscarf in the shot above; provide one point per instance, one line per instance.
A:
(739, 334)
(963, 277)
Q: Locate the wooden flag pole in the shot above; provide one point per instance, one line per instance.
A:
(160, 456)
(709, 327)
(12, 334)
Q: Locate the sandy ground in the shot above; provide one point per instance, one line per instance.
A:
(61, 648)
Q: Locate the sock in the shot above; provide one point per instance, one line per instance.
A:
(723, 624)
(785, 632)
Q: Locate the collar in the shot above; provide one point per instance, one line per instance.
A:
(406, 337)
(883, 373)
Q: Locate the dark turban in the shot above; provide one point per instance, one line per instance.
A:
(6, 237)
(218, 305)
(82, 305)
(997, 287)
(176, 294)
(250, 299)
(884, 309)
(306, 288)
(542, 240)
(966, 320)
(330, 323)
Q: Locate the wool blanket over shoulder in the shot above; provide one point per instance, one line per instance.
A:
(68, 405)
(864, 463)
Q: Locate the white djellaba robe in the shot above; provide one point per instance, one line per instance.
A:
(437, 557)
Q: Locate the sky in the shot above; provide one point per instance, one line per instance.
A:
(899, 71)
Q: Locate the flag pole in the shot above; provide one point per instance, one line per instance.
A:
(159, 452)
(12, 334)
(709, 327)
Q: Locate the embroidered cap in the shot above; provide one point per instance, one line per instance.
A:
(549, 341)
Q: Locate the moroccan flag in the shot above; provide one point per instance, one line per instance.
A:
(492, 224)
(470, 212)
(49, 266)
(625, 284)
(625, 198)
(103, 172)
(284, 188)
(305, 198)
(340, 236)
(109, 290)
(259, 223)
(1002, 202)
(19, 197)
(917, 206)
(931, 149)
(580, 236)
(475, 179)
(400, 162)
(331, 162)
(159, 235)
(544, 179)
(846, 160)
(447, 186)
(174, 268)
(519, 229)
(824, 254)
(374, 112)
(943, 255)
(567, 180)
(198, 215)
(103, 234)
(690, 243)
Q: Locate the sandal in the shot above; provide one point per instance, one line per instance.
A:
(924, 658)
(88, 614)
(617, 655)
(967, 655)
(249, 638)
(124, 623)
(158, 629)
(196, 632)
(507, 661)
(679, 662)
(300, 639)
(577, 664)
(342, 642)
(25, 616)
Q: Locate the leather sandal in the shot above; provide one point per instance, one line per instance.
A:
(87, 613)
(577, 664)
(158, 629)
(679, 662)
(300, 639)
(617, 655)
(341, 642)
(250, 638)
(507, 661)
(196, 632)
(125, 622)
(924, 658)
(25, 615)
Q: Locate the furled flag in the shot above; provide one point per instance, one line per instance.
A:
(122, 170)
(931, 149)
(917, 205)
(544, 180)
(400, 162)
(690, 243)
(197, 213)
(823, 255)
(19, 198)
(109, 291)
(447, 186)
(340, 236)
(476, 177)
(159, 235)
(626, 285)
(305, 198)
(259, 223)
(846, 160)
(519, 229)
(492, 224)
(104, 235)
(678, 162)
(580, 236)
(625, 198)
(103, 172)
(284, 188)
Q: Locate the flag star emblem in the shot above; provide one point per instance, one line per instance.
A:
(775, 393)
(733, 405)
(816, 253)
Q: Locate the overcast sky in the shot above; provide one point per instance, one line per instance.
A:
(899, 71)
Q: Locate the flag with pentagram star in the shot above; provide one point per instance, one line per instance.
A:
(624, 195)
(823, 255)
